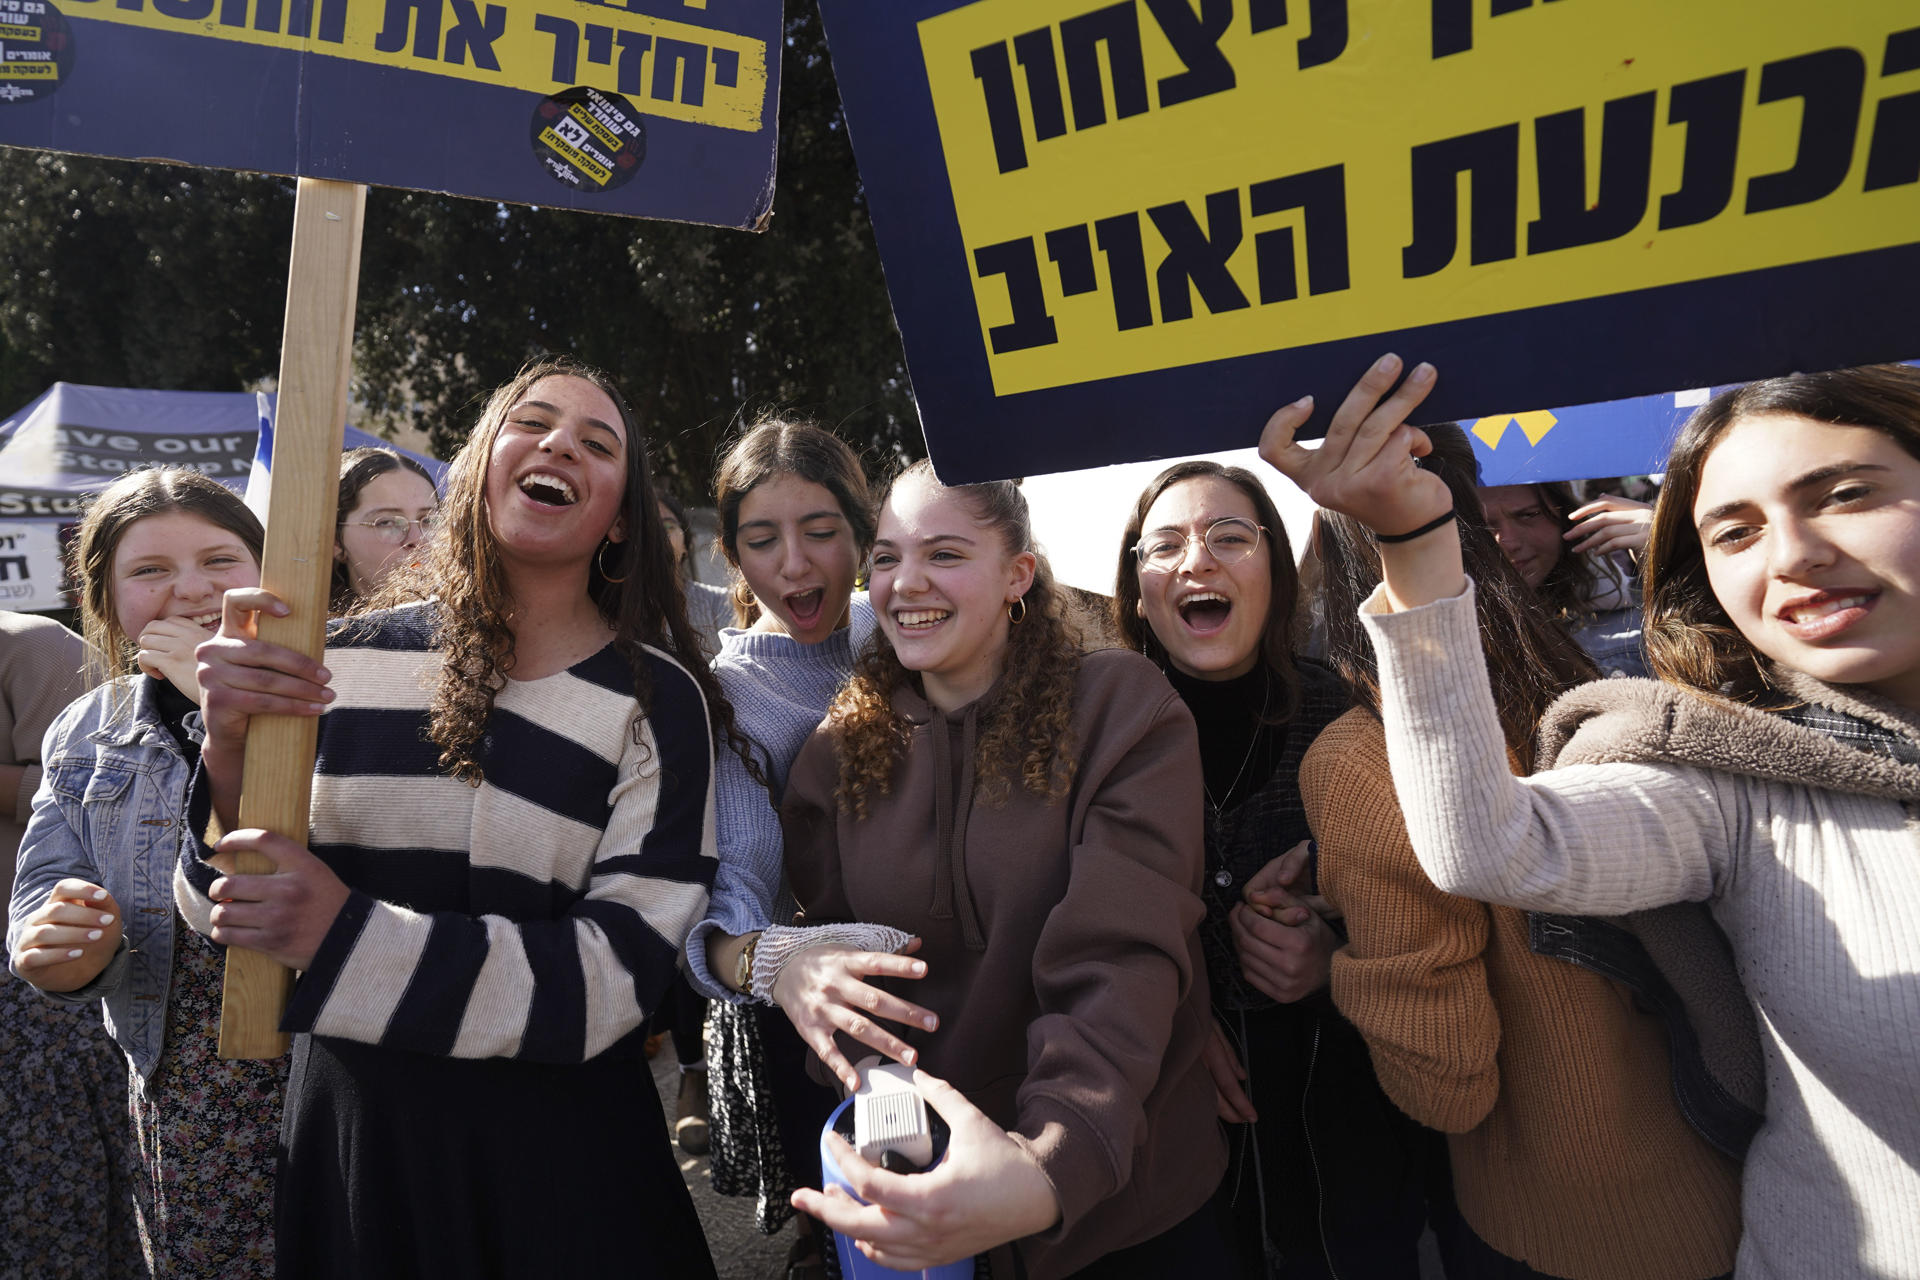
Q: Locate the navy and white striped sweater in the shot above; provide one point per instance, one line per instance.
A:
(538, 916)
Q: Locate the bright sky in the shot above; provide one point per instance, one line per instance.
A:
(1078, 515)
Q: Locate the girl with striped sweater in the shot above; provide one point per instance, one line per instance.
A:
(511, 835)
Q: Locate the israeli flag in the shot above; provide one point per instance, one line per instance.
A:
(260, 478)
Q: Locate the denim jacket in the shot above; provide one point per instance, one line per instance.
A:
(111, 810)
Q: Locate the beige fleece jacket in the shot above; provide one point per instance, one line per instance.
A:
(1807, 852)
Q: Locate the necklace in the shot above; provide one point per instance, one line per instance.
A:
(1253, 744)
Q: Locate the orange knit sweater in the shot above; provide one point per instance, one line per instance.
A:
(1568, 1150)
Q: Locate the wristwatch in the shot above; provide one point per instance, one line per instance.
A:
(743, 967)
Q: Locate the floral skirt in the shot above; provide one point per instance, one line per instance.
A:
(208, 1133)
(66, 1200)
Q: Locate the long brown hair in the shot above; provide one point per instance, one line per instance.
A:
(115, 509)
(773, 447)
(1531, 660)
(641, 602)
(1688, 637)
(1277, 638)
(1576, 580)
(358, 469)
(1027, 732)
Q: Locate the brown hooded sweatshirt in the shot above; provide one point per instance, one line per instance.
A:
(1060, 943)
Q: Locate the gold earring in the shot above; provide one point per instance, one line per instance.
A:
(1017, 618)
(600, 560)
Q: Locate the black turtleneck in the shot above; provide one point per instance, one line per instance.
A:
(175, 707)
(1237, 752)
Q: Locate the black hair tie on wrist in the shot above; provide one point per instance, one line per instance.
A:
(1421, 532)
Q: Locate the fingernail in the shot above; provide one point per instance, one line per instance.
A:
(930, 1022)
(325, 676)
(1304, 402)
(1387, 363)
(94, 935)
(919, 970)
(99, 894)
(106, 919)
(316, 707)
(74, 954)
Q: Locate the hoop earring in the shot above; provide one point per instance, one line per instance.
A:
(1017, 618)
(600, 562)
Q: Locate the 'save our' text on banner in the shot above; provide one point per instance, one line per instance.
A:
(1125, 230)
(650, 108)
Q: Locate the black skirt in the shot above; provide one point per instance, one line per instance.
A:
(409, 1166)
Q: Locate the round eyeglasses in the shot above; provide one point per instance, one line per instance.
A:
(394, 528)
(1228, 541)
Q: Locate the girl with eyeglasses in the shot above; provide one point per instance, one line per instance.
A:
(1772, 772)
(1326, 1176)
(387, 501)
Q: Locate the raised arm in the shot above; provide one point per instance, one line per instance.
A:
(1595, 840)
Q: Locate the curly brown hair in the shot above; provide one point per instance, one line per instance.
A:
(462, 572)
(1028, 730)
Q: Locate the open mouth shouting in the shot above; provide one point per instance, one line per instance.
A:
(804, 607)
(1205, 613)
(1824, 614)
(547, 489)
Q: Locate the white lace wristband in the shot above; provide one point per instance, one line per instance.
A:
(781, 943)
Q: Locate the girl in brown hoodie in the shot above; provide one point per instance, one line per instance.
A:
(1032, 815)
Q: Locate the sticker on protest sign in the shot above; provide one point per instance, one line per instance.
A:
(36, 50)
(1199, 188)
(589, 139)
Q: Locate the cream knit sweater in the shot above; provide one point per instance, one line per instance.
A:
(1806, 851)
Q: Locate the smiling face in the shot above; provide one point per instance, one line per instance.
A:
(176, 565)
(399, 494)
(1208, 616)
(1811, 537)
(797, 554)
(1524, 528)
(556, 475)
(941, 585)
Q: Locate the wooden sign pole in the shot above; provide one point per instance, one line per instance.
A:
(316, 355)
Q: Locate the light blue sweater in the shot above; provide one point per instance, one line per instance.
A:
(780, 690)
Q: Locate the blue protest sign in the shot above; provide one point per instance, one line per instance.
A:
(646, 108)
(1124, 230)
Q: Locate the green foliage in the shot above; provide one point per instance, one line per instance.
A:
(140, 275)
(161, 276)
